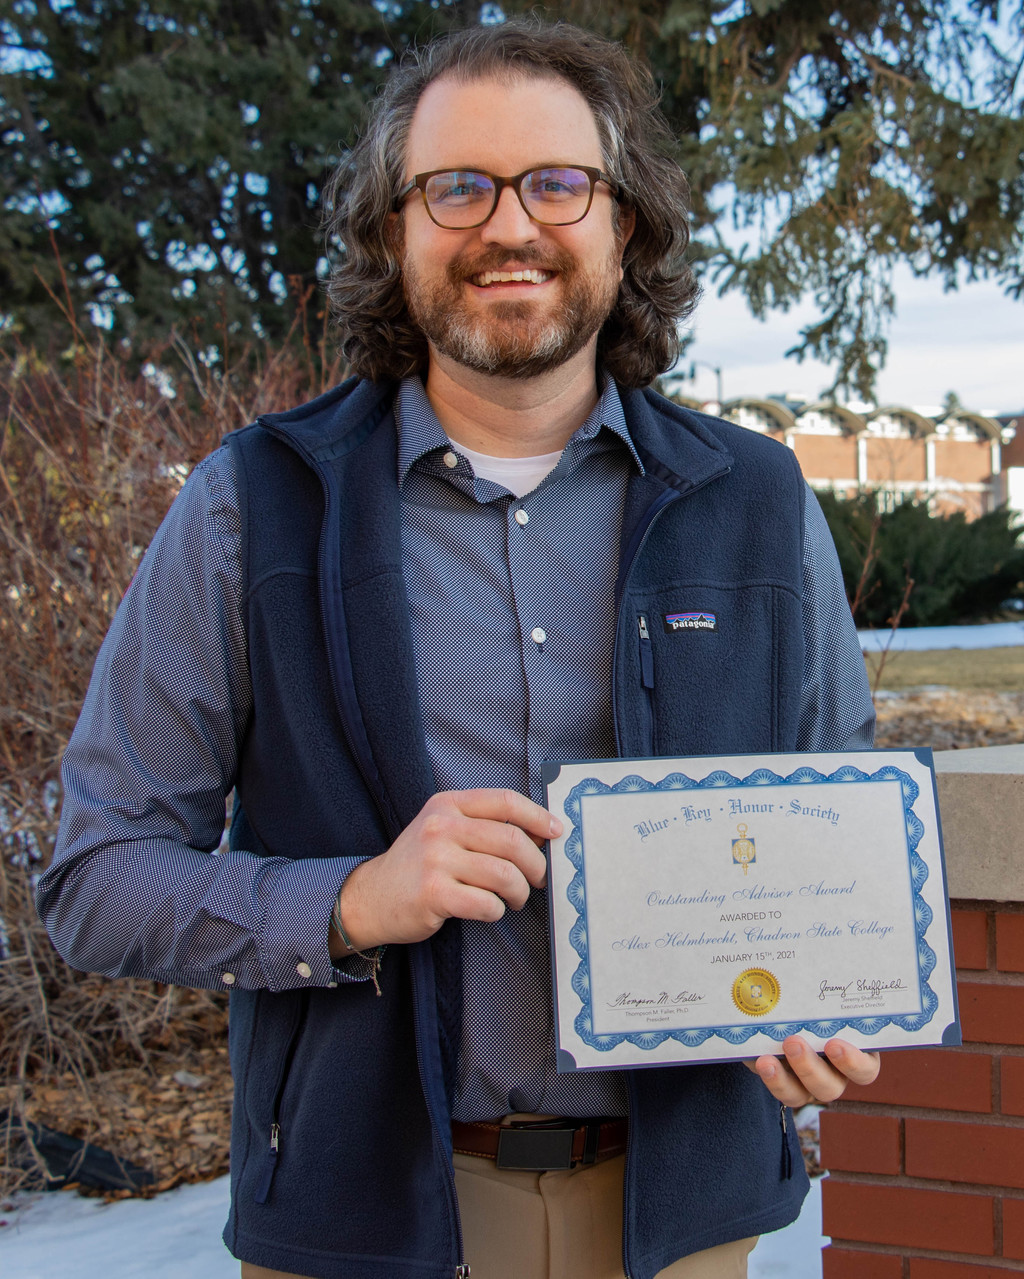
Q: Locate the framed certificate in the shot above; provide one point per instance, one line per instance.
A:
(704, 909)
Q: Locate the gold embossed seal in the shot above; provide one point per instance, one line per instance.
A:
(755, 992)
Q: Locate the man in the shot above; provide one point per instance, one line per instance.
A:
(374, 617)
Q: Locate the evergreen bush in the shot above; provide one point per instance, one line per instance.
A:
(957, 570)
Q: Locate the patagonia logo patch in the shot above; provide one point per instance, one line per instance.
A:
(690, 622)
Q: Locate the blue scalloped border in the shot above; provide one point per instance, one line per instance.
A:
(694, 1036)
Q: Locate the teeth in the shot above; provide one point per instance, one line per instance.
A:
(528, 276)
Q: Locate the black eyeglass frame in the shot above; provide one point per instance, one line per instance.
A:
(516, 183)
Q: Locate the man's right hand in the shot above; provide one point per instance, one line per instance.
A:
(467, 854)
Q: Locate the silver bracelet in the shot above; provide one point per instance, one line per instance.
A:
(372, 957)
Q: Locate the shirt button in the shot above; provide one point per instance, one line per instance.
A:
(304, 970)
(537, 635)
(228, 979)
(522, 517)
(451, 460)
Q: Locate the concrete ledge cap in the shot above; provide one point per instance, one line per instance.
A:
(981, 802)
(983, 759)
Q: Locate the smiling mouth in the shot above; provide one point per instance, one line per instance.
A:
(528, 275)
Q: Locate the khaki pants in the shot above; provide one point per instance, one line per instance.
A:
(553, 1225)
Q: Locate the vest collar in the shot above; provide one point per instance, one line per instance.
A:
(676, 445)
(336, 422)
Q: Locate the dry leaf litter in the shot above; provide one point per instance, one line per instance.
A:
(174, 1118)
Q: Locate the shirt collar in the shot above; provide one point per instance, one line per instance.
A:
(420, 432)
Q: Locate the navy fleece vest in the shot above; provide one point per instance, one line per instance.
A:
(356, 1088)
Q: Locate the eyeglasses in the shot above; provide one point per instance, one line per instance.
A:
(458, 199)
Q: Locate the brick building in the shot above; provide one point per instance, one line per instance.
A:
(954, 458)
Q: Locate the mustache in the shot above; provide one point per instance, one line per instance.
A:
(464, 267)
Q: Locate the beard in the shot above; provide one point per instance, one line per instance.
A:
(513, 339)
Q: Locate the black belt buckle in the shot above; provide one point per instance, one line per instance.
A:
(535, 1147)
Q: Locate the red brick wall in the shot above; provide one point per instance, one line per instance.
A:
(927, 1165)
(890, 460)
(827, 456)
(969, 461)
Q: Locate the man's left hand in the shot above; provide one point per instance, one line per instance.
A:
(802, 1075)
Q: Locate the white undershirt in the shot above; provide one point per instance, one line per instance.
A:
(519, 475)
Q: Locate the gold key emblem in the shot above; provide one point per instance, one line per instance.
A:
(744, 850)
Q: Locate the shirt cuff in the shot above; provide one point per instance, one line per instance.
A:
(293, 941)
(360, 966)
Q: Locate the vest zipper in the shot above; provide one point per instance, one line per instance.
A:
(274, 1148)
(357, 744)
(355, 736)
(636, 542)
(647, 681)
(348, 704)
(418, 960)
(629, 558)
(640, 536)
(786, 1160)
(626, 1169)
(269, 1165)
(344, 689)
(646, 653)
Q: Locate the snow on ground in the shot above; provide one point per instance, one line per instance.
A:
(177, 1236)
(174, 1236)
(920, 638)
(793, 1253)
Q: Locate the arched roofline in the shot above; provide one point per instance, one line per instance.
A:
(988, 425)
(921, 426)
(773, 409)
(855, 423)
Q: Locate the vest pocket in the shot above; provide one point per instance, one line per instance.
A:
(270, 1159)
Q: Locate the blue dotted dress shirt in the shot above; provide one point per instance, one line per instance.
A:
(512, 616)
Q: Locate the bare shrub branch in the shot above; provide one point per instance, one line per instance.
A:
(92, 453)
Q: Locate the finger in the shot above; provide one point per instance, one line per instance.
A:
(497, 875)
(817, 1075)
(780, 1081)
(802, 1075)
(507, 805)
(504, 842)
(857, 1066)
(468, 902)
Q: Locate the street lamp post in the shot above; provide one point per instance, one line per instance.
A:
(715, 368)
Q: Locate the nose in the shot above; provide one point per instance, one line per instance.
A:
(509, 223)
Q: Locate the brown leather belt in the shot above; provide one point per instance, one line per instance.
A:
(544, 1146)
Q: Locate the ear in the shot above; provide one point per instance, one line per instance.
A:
(626, 224)
(395, 233)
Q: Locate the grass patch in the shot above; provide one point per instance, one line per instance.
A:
(997, 670)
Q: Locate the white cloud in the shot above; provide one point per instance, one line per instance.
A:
(970, 341)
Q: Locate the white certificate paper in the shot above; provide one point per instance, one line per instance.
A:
(704, 909)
